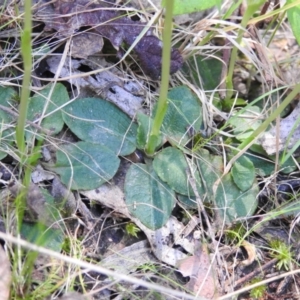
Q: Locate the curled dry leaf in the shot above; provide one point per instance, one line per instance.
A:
(251, 252)
(68, 16)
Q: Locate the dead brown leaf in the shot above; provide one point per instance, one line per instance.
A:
(198, 267)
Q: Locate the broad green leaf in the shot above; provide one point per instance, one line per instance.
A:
(245, 123)
(263, 166)
(243, 173)
(7, 137)
(186, 7)
(293, 15)
(6, 120)
(256, 148)
(37, 103)
(208, 69)
(183, 114)
(211, 169)
(100, 122)
(85, 165)
(6, 97)
(147, 197)
(143, 131)
(288, 166)
(266, 166)
(188, 202)
(232, 202)
(171, 167)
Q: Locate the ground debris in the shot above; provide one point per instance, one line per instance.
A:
(129, 258)
(107, 84)
(286, 137)
(74, 296)
(67, 17)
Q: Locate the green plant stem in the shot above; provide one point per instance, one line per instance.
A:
(163, 100)
(26, 51)
(251, 9)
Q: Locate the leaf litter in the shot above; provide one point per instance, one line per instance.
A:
(109, 84)
(173, 241)
(68, 17)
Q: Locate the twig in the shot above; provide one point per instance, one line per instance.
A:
(255, 272)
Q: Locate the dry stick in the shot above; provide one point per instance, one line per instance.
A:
(39, 128)
(255, 272)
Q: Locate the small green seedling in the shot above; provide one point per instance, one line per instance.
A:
(282, 252)
(259, 291)
(132, 229)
